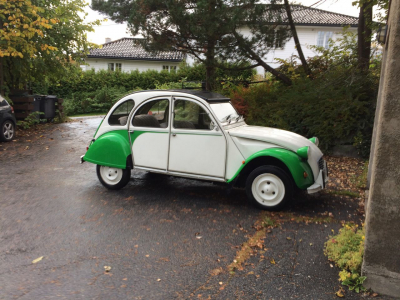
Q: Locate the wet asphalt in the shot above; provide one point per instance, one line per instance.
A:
(162, 237)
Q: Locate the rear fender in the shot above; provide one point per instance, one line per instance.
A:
(111, 149)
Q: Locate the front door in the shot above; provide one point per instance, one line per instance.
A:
(194, 147)
(149, 132)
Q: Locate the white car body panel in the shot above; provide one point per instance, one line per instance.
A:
(197, 152)
(234, 159)
(151, 149)
(249, 146)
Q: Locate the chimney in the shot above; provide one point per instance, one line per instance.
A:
(108, 40)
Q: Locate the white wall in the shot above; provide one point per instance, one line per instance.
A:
(126, 65)
(307, 36)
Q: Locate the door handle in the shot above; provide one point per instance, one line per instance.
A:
(173, 134)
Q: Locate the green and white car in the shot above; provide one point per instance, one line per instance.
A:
(199, 134)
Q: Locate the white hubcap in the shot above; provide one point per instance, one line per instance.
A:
(268, 189)
(8, 130)
(110, 175)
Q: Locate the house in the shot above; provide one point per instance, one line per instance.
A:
(128, 54)
(314, 27)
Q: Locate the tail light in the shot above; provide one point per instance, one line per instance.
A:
(12, 109)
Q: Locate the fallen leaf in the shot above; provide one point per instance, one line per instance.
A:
(374, 295)
(288, 238)
(147, 255)
(221, 283)
(331, 265)
(125, 279)
(107, 268)
(158, 279)
(37, 260)
(198, 237)
(272, 261)
(339, 293)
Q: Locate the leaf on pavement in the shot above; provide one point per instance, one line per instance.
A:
(272, 261)
(340, 293)
(107, 268)
(37, 260)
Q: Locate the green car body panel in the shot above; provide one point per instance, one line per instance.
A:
(110, 149)
(294, 163)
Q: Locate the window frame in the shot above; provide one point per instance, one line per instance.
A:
(127, 122)
(158, 98)
(110, 67)
(201, 105)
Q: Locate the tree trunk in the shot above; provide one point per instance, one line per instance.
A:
(1, 70)
(253, 55)
(210, 65)
(306, 68)
(364, 34)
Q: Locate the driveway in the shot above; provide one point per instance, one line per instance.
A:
(162, 237)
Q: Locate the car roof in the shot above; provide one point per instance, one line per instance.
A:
(206, 95)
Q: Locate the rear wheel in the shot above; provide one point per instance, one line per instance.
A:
(113, 178)
(269, 187)
(7, 132)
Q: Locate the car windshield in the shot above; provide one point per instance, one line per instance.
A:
(225, 112)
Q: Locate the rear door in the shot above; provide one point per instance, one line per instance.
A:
(149, 134)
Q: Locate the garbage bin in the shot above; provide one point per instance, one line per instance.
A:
(49, 107)
(37, 104)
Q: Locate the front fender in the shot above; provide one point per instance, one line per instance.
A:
(110, 149)
(293, 162)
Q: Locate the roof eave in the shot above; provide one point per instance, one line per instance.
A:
(134, 58)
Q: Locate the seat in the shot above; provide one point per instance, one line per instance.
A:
(145, 121)
(184, 125)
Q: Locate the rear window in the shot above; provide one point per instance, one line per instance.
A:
(121, 113)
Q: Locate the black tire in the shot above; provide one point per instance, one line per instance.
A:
(269, 188)
(114, 182)
(7, 131)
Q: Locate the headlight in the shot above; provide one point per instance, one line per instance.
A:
(303, 152)
(315, 141)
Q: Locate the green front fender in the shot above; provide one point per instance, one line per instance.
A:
(293, 162)
(110, 149)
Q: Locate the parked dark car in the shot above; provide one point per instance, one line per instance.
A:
(7, 121)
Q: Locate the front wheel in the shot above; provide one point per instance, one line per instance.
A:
(113, 178)
(269, 187)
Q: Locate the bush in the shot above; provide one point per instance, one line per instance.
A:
(346, 250)
(90, 91)
(337, 106)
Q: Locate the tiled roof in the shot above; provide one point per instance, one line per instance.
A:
(131, 48)
(303, 15)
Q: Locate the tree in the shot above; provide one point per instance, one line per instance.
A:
(40, 38)
(206, 29)
(306, 68)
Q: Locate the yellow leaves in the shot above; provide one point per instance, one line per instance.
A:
(37, 260)
(272, 261)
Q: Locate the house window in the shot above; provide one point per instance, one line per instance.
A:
(114, 67)
(171, 69)
(276, 38)
(323, 39)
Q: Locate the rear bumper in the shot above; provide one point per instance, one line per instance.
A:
(321, 181)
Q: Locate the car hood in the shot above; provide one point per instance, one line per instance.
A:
(279, 137)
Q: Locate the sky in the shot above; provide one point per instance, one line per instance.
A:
(115, 31)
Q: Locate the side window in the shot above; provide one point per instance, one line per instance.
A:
(152, 114)
(189, 115)
(120, 115)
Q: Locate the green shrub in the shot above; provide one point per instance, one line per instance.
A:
(346, 250)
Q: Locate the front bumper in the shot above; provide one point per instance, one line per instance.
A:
(322, 179)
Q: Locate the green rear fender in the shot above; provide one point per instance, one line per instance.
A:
(110, 149)
(293, 162)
